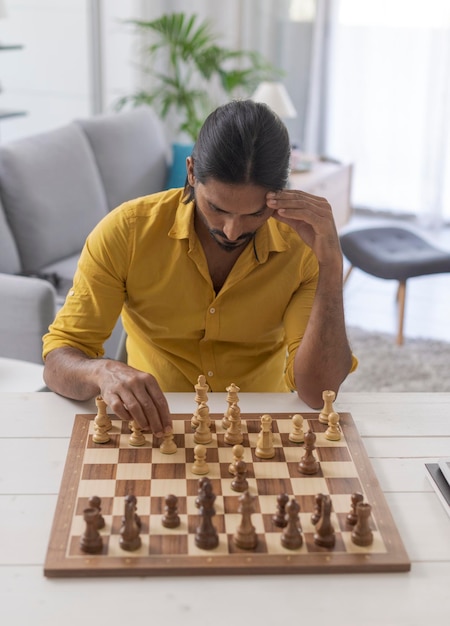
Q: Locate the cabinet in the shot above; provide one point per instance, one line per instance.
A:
(6, 113)
(329, 180)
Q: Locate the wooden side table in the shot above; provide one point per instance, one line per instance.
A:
(329, 180)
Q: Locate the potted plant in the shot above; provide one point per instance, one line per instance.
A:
(190, 74)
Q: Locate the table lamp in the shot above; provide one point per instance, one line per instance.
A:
(275, 95)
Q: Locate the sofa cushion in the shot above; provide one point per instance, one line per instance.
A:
(131, 153)
(52, 194)
(9, 257)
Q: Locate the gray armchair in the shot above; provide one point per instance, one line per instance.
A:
(54, 188)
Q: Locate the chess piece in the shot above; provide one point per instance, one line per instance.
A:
(315, 517)
(101, 411)
(279, 519)
(132, 501)
(333, 432)
(201, 395)
(264, 445)
(91, 541)
(232, 398)
(291, 537)
(238, 454)
(200, 466)
(297, 435)
(240, 483)
(245, 536)
(356, 498)
(328, 397)
(130, 539)
(96, 503)
(325, 535)
(168, 445)
(137, 438)
(234, 430)
(362, 534)
(308, 463)
(202, 432)
(171, 519)
(102, 423)
(206, 536)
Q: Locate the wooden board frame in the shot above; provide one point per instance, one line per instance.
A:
(65, 559)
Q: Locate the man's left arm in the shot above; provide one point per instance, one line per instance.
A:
(323, 358)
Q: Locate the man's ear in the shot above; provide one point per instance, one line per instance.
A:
(190, 171)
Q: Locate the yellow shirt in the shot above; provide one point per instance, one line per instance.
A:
(144, 260)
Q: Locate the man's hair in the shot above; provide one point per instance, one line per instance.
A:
(242, 142)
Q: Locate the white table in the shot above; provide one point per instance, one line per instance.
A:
(18, 375)
(400, 432)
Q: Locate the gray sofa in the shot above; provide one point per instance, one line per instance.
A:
(54, 188)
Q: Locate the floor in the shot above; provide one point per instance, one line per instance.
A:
(370, 302)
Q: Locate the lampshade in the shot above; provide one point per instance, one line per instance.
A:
(275, 95)
(3, 12)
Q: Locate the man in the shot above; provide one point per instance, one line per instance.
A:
(234, 277)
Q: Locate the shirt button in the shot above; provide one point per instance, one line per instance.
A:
(212, 310)
(210, 373)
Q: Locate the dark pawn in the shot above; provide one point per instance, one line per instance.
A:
(240, 483)
(308, 464)
(315, 517)
(279, 519)
(96, 503)
(325, 535)
(129, 533)
(206, 536)
(171, 519)
(352, 517)
(91, 541)
(291, 537)
(362, 534)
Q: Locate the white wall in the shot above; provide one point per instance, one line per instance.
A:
(51, 77)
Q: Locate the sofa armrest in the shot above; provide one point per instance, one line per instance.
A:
(27, 307)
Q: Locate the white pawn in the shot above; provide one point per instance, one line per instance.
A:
(168, 445)
(200, 465)
(297, 435)
(238, 453)
(333, 432)
(137, 438)
(264, 445)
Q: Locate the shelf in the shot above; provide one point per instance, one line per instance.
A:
(5, 113)
(13, 46)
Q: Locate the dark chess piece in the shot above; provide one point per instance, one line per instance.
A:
(171, 519)
(245, 536)
(309, 464)
(315, 517)
(352, 517)
(291, 537)
(362, 534)
(240, 483)
(91, 540)
(129, 532)
(96, 503)
(131, 498)
(206, 536)
(280, 519)
(325, 535)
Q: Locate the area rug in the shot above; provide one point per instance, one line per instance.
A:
(418, 365)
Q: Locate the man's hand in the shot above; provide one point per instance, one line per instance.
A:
(130, 393)
(135, 395)
(311, 217)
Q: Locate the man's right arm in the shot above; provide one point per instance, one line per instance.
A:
(130, 393)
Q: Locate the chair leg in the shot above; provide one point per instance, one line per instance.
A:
(401, 298)
(347, 274)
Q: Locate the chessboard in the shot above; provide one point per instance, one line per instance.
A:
(115, 470)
